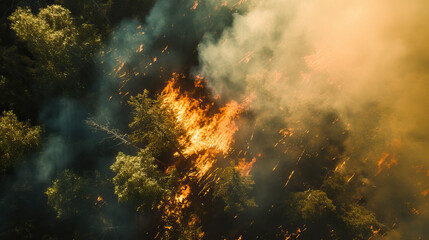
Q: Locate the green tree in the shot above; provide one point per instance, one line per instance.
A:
(16, 139)
(71, 195)
(234, 189)
(154, 127)
(360, 222)
(314, 205)
(138, 180)
(60, 47)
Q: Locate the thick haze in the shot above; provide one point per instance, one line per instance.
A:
(366, 60)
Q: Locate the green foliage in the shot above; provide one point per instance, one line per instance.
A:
(187, 230)
(16, 139)
(360, 222)
(314, 205)
(234, 189)
(60, 47)
(139, 181)
(154, 126)
(72, 195)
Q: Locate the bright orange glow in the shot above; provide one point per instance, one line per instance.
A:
(203, 132)
(287, 132)
(290, 176)
(244, 167)
(208, 133)
(195, 5)
(140, 48)
(386, 162)
(182, 194)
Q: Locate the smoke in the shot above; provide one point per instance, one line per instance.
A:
(170, 34)
(364, 60)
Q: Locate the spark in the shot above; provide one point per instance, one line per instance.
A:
(247, 58)
(290, 176)
(385, 163)
(140, 48)
(165, 49)
(348, 180)
(195, 5)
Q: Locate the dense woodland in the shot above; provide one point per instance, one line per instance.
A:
(90, 149)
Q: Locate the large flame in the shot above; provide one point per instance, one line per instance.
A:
(207, 135)
(203, 131)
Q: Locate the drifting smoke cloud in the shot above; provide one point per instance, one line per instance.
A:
(365, 60)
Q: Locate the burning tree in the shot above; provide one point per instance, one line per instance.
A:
(180, 142)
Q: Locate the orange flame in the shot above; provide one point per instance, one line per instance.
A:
(195, 5)
(206, 136)
(244, 167)
(202, 131)
(386, 162)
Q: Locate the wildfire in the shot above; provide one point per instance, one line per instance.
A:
(202, 131)
(173, 207)
(207, 135)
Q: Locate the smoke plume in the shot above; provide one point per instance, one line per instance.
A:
(366, 61)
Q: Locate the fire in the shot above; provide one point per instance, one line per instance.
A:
(183, 194)
(203, 164)
(173, 207)
(202, 131)
(386, 162)
(206, 136)
(244, 167)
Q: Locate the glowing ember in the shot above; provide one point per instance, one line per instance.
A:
(386, 162)
(183, 194)
(290, 176)
(195, 5)
(140, 48)
(287, 132)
